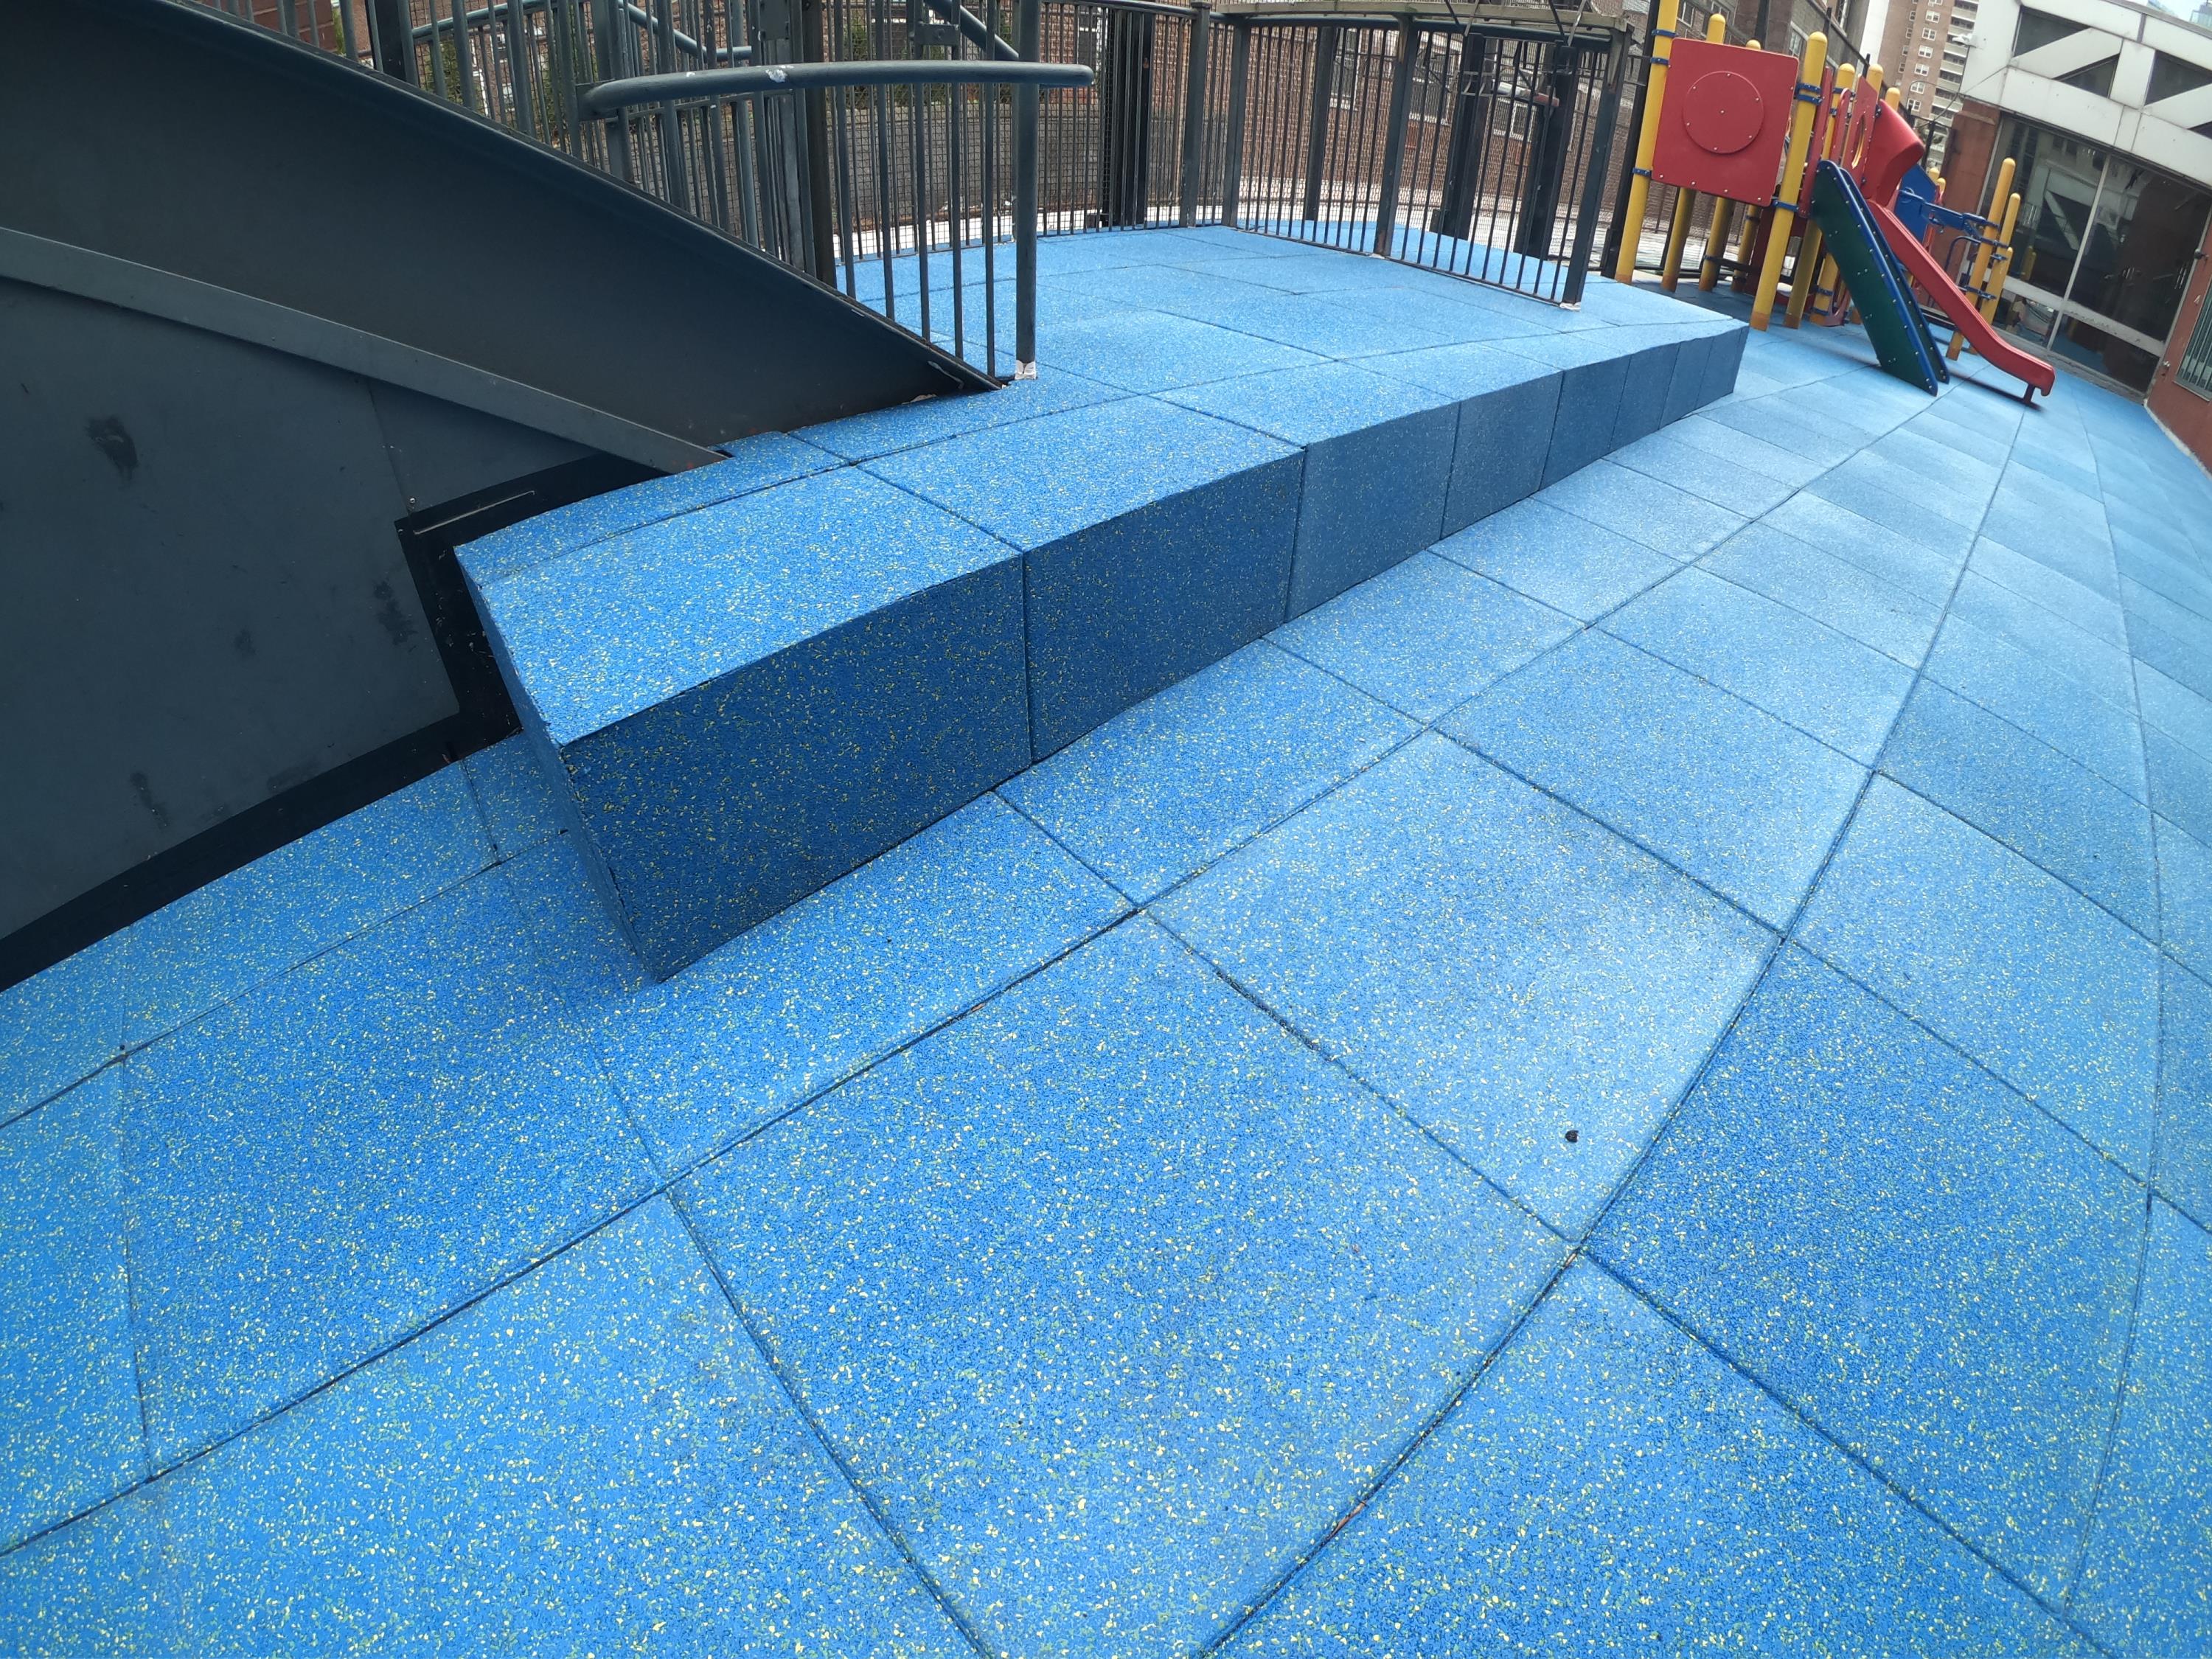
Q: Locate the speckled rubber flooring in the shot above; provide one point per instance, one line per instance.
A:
(1640, 1082)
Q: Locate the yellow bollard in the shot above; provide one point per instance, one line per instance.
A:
(1811, 261)
(1647, 140)
(1709, 268)
(1979, 281)
(1793, 181)
(1894, 96)
(2003, 266)
(1685, 201)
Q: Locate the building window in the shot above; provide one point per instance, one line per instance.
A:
(2107, 243)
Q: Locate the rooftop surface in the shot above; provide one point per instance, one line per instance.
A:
(1640, 1081)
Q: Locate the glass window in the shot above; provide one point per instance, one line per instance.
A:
(2112, 241)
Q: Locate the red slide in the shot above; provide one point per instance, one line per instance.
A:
(1921, 266)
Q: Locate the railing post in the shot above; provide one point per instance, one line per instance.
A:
(1194, 115)
(820, 204)
(392, 31)
(1324, 91)
(1240, 74)
(1125, 109)
(1454, 215)
(1028, 40)
(1547, 165)
(1393, 141)
(1600, 158)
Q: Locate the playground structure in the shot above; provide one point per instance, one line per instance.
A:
(1838, 216)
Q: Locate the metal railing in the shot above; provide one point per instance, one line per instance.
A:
(899, 182)
(889, 163)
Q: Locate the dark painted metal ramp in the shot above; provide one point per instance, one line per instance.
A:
(260, 310)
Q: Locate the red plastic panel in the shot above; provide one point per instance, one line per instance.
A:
(1725, 122)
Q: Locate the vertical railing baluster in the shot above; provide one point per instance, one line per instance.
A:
(1240, 76)
(1194, 115)
(1029, 30)
(1394, 141)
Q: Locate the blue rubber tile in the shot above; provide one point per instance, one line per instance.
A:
(2180, 784)
(2057, 814)
(2184, 884)
(2015, 968)
(1558, 559)
(65, 1023)
(1593, 374)
(2184, 1148)
(1424, 637)
(1339, 326)
(1164, 285)
(69, 1390)
(1942, 467)
(2145, 1585)
(833, 653)
(1644, 391)
(840, 979)
(1838, 1200)
(1722, 792)
(100, 1586)
(2171, 655)
(593, 1458)
(388, 1130)
(1775, 420)
(2061, 595)
(1168, 786)
(2068, 549)
(2082, 479)
(2028, 627)
(1503, 968)
(246, 927)
(1159, 540)
(755, 464)
(2026, 690)
(1643, 509)
(1152, 351)
(1378, 457)
(1829, 590)
(1610, 1487)
(1751, 453)
(1824, 684)
(1671, 459)
(1899, 560)
(2174, 709)
(1989, 447)
(1114, 1296)
(1507, 408)
(1904, 503)
(1690, 388)
(514, 795)
(884, 431)
(635, 622)
(2190, 631)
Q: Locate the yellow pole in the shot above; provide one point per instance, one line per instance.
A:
(1793, 181)
(1893, 96)
(1812, 257)
(2003, 266)
(1647, 140)
(1979, 279)
(1685, 201)
(1709, 270)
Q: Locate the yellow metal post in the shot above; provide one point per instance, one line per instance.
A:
(1793, 180)
(1686, 200)
(1987, 246)
(2003, 266)
(1647, 140)
(1893, 96)
(1709, 269)
(1812, 258)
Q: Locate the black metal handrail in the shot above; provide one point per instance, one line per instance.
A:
(610, 97)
